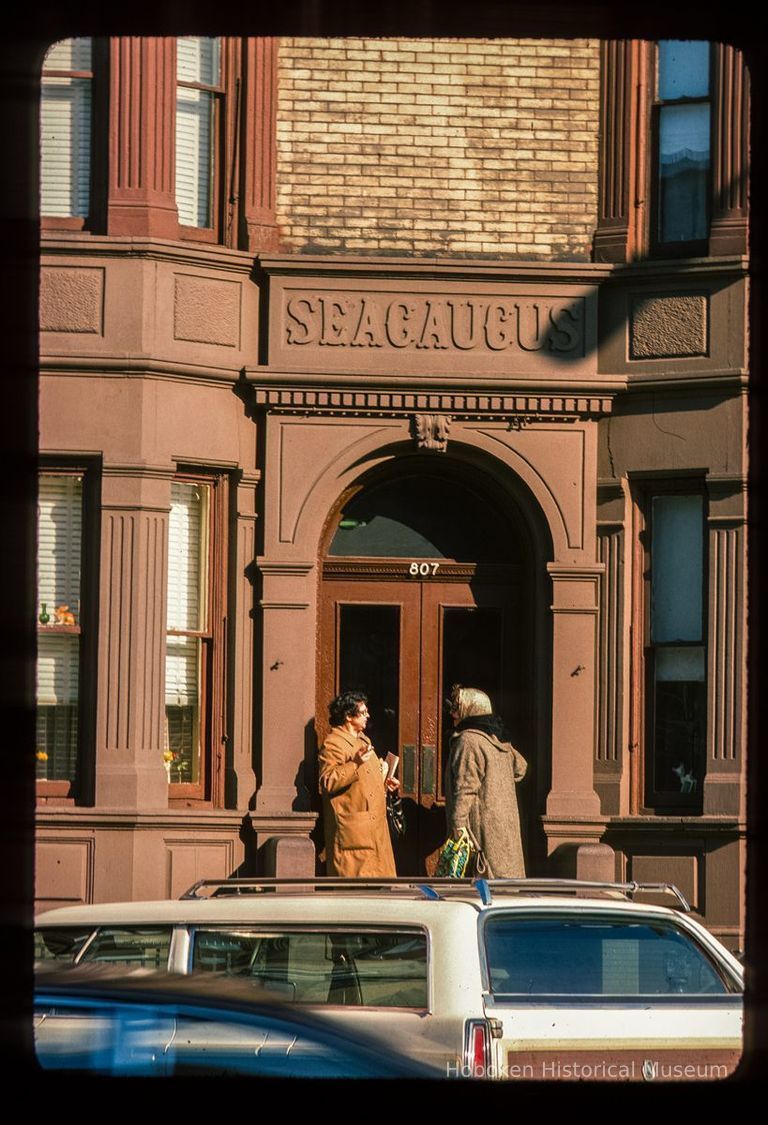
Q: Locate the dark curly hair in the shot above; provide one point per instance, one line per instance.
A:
(344, 705)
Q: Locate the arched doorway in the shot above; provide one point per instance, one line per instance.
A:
(427, 580)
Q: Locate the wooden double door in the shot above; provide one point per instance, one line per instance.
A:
(404, 634)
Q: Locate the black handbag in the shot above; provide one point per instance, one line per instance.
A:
(395, 814)
(477, 868)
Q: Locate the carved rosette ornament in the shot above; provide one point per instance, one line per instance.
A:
(431, 431)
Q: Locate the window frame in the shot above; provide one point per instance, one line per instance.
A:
(690, 248)
(208, 790)
(94, 220)
(79, 789)
(645, 798)
(220, 98)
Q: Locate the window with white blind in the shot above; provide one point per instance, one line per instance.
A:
(66, 129)
(673, 561)
(198, 91)
(188, 631)
(60, 537)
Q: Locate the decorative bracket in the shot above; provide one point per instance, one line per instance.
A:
(430, 431)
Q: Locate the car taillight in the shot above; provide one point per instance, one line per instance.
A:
(477, 1049)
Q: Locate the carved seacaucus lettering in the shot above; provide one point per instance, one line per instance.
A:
(431, 431)
(539, 324)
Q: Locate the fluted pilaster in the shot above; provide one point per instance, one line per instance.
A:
(131, 707)
(726, 648)
(142, 137)
(259, 163)
(730, 156)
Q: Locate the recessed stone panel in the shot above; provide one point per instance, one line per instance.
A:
(64, 871)
(665, 327)
(682, 870)
(206, 311)
(72, 299)
(189, 860)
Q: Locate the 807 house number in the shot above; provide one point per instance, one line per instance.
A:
(424, 569)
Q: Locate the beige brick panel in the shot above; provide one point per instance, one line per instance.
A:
(439, 147)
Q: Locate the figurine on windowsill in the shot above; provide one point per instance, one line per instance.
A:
(62, 615)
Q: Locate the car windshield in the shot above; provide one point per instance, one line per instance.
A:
(567, 956)
(377, 969)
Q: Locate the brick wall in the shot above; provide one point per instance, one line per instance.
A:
(461, 147)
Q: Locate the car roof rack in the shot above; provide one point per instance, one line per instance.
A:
(433, 889)
(485, 888)
(237, 886)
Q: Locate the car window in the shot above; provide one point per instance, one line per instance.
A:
(140, 946)
(60, 943)
(387, 970)
(595, 957)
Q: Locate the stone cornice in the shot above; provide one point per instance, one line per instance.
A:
(667, 269)
(58, 244)
(732, 379)
(518, 409)
(295, 569)
(321, 265)
(183, 820)
(158, 472)
(444, 269)
(139, 366)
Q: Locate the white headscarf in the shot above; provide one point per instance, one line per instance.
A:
(469, 701)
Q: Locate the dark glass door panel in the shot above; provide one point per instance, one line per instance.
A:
(472, 655)
(369, 661)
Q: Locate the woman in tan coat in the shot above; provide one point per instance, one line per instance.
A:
(357, 840)
(480, 784)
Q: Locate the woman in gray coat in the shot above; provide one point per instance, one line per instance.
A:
(483, 770)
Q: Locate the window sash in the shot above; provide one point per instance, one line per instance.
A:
(683, 69)
(69, 54)
(60, 549)
(194, 156)
(675, 653)
(683, 127)
(677, 568)
(66, 130)
(60, 542)
(187, 613)
(198, 65)
(188, 537)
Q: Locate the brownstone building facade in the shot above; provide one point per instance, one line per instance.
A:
(391, 363)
